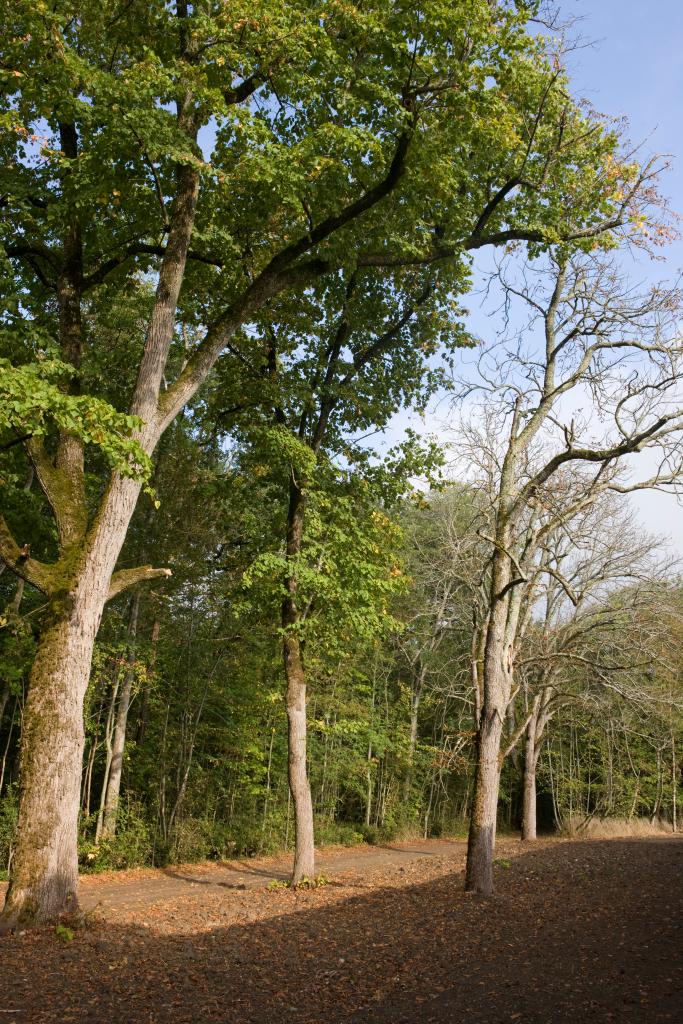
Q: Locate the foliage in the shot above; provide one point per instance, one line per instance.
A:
(33, 400)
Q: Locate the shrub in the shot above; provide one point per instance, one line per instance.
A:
(131, 846)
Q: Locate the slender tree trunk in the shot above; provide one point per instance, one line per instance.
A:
(368, 789)
(415, 700)
(3, 763)
(658, 797)
(4, 697)
(674, 785)
(299, 784)
(109, 746)
(304, 852)
(151, 668)
(529, 789)
(111, 802)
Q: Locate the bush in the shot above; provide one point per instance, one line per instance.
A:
(131, 847)
(329, 833)
(372, 835)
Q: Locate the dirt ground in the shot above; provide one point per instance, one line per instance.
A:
(577, 931)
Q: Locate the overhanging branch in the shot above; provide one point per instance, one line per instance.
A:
(125, 578)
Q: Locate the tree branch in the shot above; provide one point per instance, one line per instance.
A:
(19, 561)
(125, 578)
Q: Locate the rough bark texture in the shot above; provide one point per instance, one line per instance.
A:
(44, 878)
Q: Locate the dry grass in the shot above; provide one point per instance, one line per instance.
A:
(614, 828)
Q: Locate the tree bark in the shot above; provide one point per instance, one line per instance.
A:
(111, 802)
(109, 747)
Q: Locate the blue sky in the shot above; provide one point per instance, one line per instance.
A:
(634, 68)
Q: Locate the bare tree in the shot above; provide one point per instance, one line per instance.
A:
(598, 624)
(592, 377)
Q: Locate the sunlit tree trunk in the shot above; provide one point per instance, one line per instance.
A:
(299, 784)
(531, 752)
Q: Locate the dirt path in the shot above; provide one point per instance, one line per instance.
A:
(577, 931)
(147, 888)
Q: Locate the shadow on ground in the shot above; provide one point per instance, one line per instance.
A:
(588, 931)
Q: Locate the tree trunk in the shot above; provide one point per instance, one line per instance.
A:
(8, 743)
(482, 833)
(44, 877)
(496, 690)
(111, 802)
(529, 788)
(415, 700)
(304, 848)
(149, 675)
(109, 746)
(674, 784)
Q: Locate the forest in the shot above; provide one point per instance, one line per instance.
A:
(252, 601)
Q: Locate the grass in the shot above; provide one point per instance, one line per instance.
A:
(614, 828)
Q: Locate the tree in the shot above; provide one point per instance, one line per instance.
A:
(402, 135)
(611, 352)
(603, 592)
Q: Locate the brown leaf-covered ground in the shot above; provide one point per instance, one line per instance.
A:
(577, 931)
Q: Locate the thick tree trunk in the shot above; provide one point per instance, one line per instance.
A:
(482, 833)
(529, 787)
(111, 801)
(496, 690)
(44, 877)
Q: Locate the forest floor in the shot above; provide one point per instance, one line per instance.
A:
(577, 931)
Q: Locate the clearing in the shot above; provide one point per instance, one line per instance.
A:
(577, 931)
